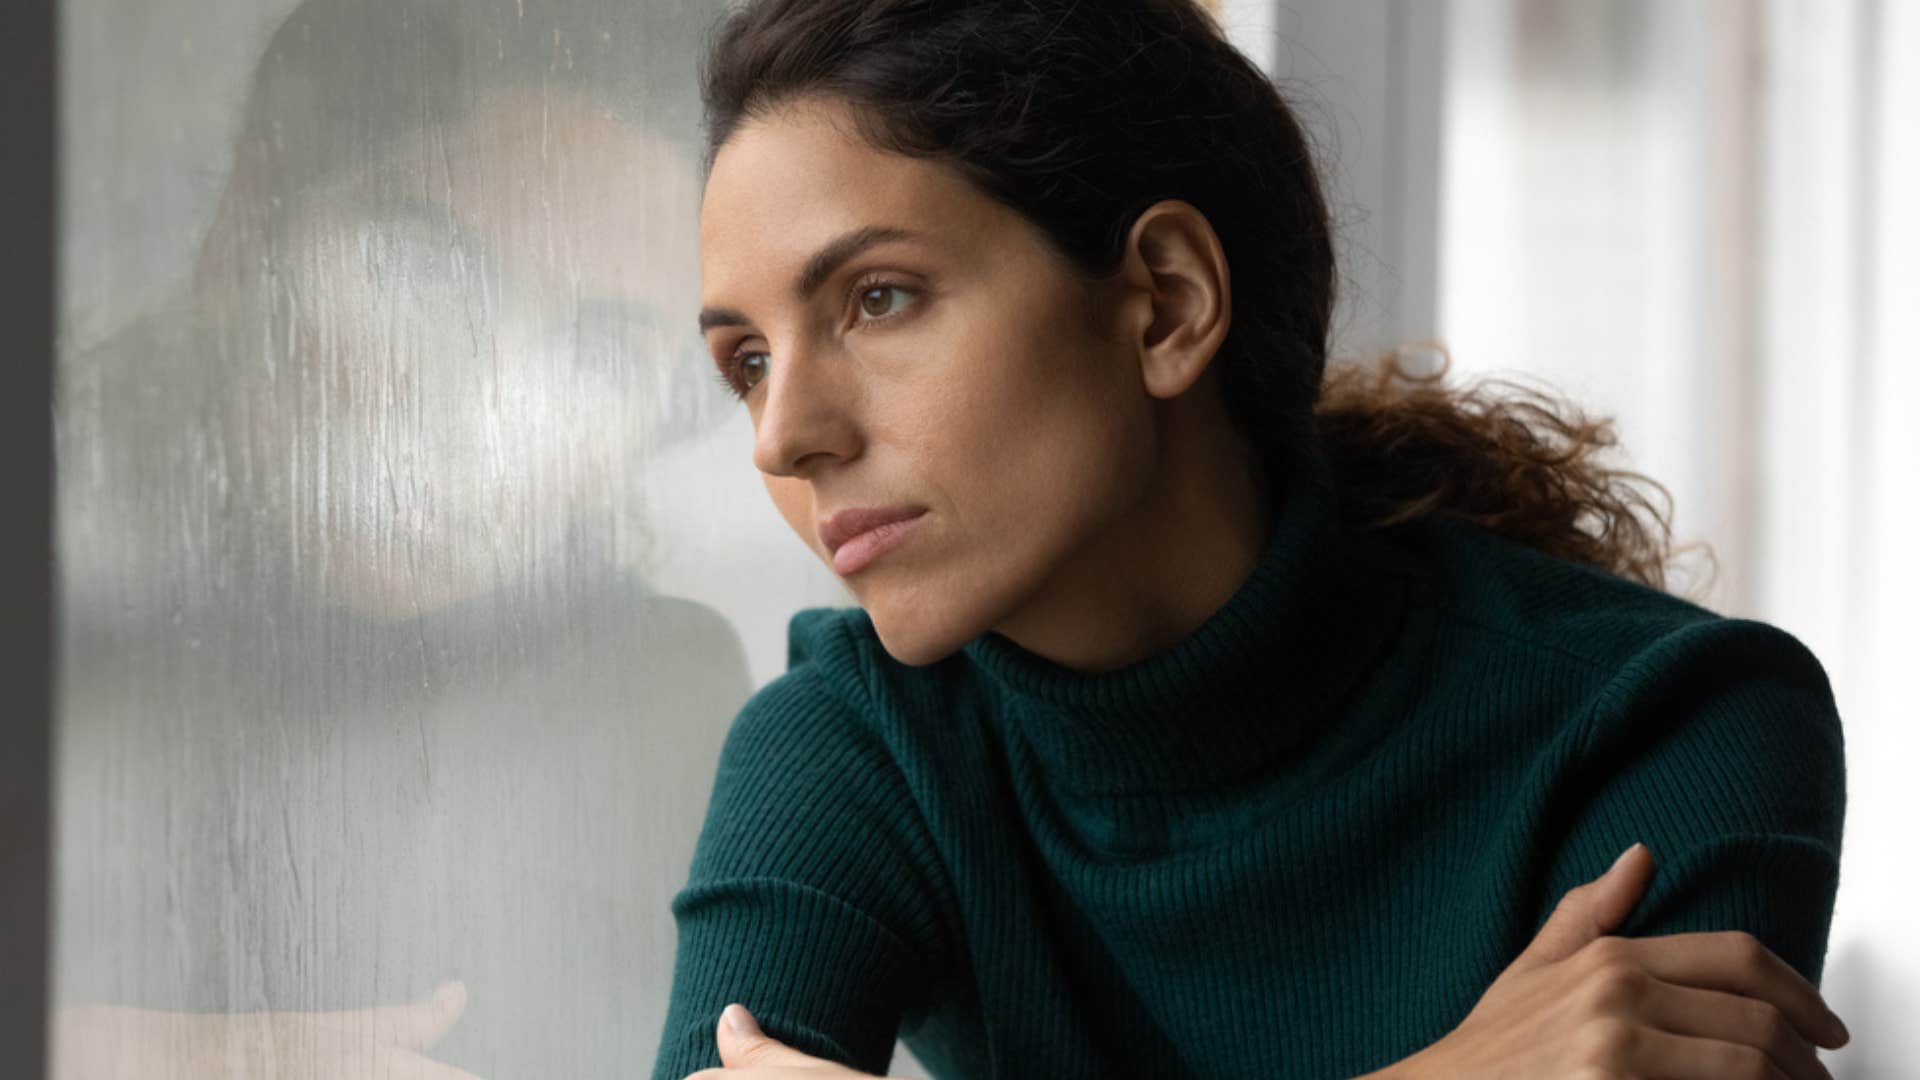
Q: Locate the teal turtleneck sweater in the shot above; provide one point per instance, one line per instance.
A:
(1301, 842)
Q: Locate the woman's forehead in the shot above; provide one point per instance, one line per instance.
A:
(807, 162)
(783, 191)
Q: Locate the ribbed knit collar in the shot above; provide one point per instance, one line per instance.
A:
(1261, 674)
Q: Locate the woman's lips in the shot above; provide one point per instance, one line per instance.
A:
(857, 537)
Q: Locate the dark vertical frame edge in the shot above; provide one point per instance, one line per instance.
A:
(27, 299)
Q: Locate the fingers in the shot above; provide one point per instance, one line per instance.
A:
(1645, 1052)
(413, 1026)
(1617, 891)
(747, 1046)
(1738, 963)
(1590, 911)
(423, 1023)
(1730, 1018)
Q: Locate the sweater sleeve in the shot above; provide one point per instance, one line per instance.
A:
(1719, 746)
(809, 896)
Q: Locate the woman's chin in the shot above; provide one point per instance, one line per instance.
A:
(916, 640)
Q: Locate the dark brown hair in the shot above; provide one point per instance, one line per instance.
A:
(1080, 115)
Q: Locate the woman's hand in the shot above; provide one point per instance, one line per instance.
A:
(112, 1042)
(1580, 1003)
(751, 1054)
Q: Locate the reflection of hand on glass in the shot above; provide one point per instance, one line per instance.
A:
(383, 1043)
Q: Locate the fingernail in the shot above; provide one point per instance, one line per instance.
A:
(1840, 1036)
(1622, 857)
(740, 1020)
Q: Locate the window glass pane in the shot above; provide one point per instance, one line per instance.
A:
(411, 563)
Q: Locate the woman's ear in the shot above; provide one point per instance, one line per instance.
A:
(1177, 270)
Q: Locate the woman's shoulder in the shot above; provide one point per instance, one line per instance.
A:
(836, 662)
(832, 690)
(844, 697)
(1629, 664)
(814, 728)
(828, 667)
(1478, 581)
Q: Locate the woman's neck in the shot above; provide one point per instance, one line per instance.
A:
(1176, 557)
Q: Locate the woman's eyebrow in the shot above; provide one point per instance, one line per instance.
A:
(818, 269)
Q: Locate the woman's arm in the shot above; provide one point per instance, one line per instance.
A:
(808, 899)
(1719, 746)
(1581, 1002)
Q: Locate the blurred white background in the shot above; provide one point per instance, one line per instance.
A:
(1698, 217)
(1695, 216)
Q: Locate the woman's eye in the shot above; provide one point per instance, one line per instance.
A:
(873, 300)
(741, 371)
(752, 368)
(745, 370)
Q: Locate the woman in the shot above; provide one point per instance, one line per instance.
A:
(1197, 719)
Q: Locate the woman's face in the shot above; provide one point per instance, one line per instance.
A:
(960, 370)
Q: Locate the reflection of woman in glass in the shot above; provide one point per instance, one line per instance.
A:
(363, 689)
(1198, 719)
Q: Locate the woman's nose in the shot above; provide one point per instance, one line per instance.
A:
(805, 417)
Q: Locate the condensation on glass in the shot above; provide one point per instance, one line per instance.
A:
(410, 564)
